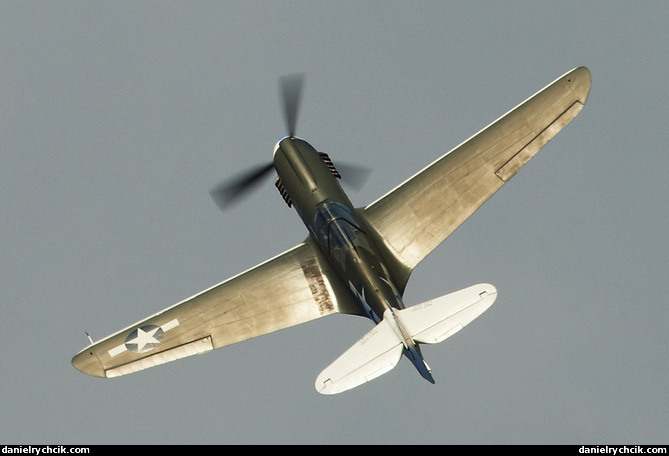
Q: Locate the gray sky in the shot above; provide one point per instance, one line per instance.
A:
(117, 117)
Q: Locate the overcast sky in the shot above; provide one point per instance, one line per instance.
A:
(117, 117)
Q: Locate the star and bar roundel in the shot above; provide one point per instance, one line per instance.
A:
(144, 338)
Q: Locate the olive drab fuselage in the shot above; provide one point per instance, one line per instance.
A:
(310, 182)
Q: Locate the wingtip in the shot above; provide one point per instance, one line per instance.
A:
(85, 361)
(580, 81)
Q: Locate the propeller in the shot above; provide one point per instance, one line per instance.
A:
(291, 94)
(228, 192)
(353, 175)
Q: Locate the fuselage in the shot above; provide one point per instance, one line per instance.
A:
(310, 186)
(334, 224)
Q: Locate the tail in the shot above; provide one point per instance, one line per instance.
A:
(400, 332)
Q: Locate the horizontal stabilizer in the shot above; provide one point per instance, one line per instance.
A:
(381, 349)
(375, 354)
(434, 321)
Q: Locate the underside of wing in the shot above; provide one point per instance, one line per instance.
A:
(414, 218)
(289, 289)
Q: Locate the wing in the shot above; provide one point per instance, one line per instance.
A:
(287, 290)
(418, 215)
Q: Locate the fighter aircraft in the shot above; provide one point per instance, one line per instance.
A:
(355, 260)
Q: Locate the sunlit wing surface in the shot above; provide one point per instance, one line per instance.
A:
(417, 216)
(287, 290)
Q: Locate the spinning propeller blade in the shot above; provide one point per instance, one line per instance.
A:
(291, 93)
(228, 192)
(353, 175)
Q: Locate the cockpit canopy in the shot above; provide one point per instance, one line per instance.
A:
(335, 226)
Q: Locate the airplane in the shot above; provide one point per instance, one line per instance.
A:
(355, 260)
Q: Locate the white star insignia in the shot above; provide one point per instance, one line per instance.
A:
(144, 339)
